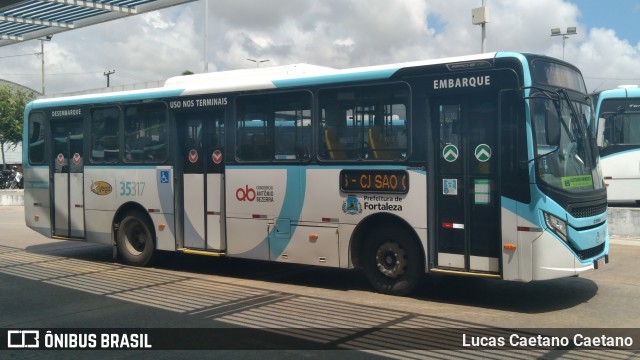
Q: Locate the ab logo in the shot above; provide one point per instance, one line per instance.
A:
(246, 194)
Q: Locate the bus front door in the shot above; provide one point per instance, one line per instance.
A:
(467, 220)
(201, 136)
(68, 178)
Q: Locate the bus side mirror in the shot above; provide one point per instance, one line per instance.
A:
(552, 127)
(600, 133)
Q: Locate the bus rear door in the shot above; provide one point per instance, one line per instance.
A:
(68, 177)
(201, 135)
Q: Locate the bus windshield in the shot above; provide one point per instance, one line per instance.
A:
(621, 128)
(566, 155)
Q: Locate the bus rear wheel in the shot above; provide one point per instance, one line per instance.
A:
(135, 240)
(391, 261)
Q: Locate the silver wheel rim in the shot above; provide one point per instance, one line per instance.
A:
(135, 238)
(391, 259)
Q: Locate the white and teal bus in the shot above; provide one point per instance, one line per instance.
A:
(618, 134)
(478, 165)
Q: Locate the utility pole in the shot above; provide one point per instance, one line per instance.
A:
(480, 16)
(205, 35)
(42, 40)
(108, 74)
(42, 67)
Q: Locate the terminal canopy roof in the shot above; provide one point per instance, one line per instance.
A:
(22, 20)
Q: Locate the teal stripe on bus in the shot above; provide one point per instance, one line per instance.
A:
(106, 98)
(129, 167)
(336, 78)
(291, 207)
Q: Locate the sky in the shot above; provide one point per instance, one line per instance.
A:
(334, 33)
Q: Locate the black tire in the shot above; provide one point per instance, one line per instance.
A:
(392, 261)
(135, 239)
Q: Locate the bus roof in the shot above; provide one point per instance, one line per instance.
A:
(252, 79)
(623, 91)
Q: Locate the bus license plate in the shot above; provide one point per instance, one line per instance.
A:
(597, 263)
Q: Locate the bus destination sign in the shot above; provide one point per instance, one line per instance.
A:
(374, 181)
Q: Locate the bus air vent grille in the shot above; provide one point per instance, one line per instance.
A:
(589, 253)
(588, 210)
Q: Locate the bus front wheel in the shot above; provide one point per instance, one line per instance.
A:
(135, 240)
(392, 261)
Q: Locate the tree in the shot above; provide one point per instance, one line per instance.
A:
(12, 104)
(187, 72)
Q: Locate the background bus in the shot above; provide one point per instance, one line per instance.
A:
(478, 165)
(618, 134)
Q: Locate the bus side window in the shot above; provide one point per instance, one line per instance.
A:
(275, 127)
(364, 123)
(104, 135)
(634, 129)
(146, 133)
(36, 138)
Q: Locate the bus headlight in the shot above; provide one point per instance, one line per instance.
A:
(558, 226)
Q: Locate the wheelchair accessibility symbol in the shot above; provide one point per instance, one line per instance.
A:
(164, 176)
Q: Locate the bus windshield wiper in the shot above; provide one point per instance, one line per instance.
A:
(556, 97)
(542, 155)
(578, 129)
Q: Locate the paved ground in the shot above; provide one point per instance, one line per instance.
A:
(48, 283)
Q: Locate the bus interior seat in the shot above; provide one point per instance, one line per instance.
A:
(213, 141)
(379, 145)
(97, 154)
(260, 148)
(334, 147)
